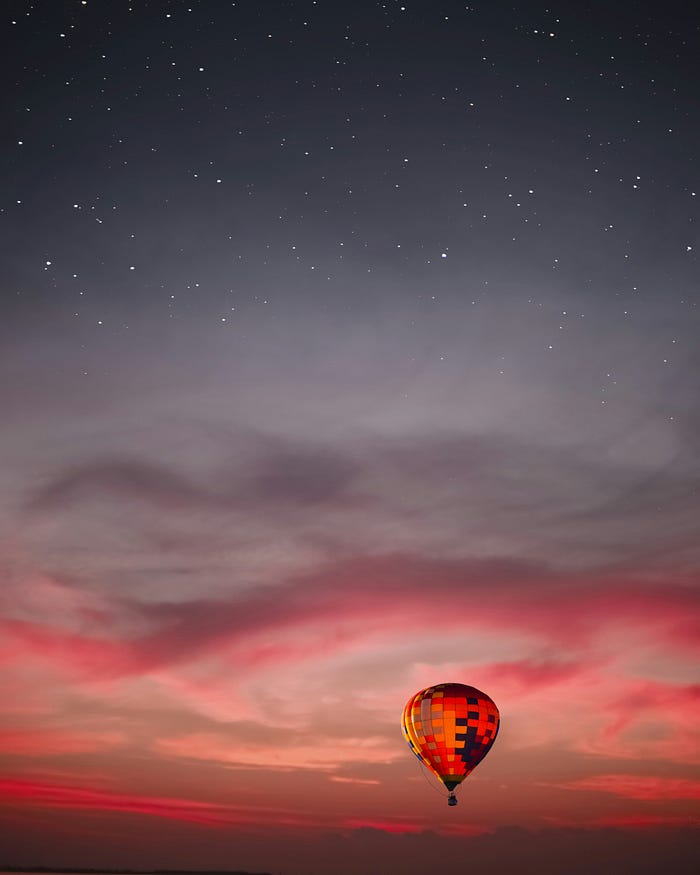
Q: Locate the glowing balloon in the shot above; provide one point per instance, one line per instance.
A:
(450, 728)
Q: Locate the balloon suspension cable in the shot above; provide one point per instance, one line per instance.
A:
(424, 772)
(452, 797)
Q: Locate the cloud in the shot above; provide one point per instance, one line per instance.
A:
(313, 753)
(83, 655)
(119, 479)
(396, 826)
(340, 779)
(642, 787)
(272, 472)
(529, 676)
(43, 794)
(555, 643)
(459, 494)
(644, 697)
(29, 742)
(301, 474)
(648, 720)
(395, 596)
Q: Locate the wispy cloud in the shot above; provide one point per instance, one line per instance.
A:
(204, 813)
(391, 595)
(488, 492)
(316, 753)
(271, 611)
(42, 743)
(642, 787)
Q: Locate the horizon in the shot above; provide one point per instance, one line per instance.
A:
(564, 849)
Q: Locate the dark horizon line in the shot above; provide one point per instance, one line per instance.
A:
(93, 870)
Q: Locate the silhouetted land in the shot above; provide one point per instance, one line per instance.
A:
(77, 870)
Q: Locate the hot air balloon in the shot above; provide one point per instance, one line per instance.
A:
(450, 728)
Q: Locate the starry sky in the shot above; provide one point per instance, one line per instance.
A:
(348, 348)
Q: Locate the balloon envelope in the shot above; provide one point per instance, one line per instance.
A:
(450, 728)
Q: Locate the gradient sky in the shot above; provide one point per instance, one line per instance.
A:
(348, 348)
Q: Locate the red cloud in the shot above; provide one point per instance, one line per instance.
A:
(398, 827)
(204, 813)
(40, 794)
(85, 655)
(643, 787)
(49, 742)
(402, 599)
(56, 796)
(322, 754)
(341, 780)
(528, 676)
(644, 697)
(392, 595)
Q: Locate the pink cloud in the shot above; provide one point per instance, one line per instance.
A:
(84, 655)
(529, 676)
(56, 796)
(588, 704)
(642, 787)
(49, 742)
(39, 794)
(681, 702)
(35, 793)
(647, 720)
(322, 754)
(341, 780)
(392, 596)
(291, 651)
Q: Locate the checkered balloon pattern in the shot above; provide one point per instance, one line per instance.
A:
(450, 728)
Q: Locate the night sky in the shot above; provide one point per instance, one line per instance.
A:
(345, 349)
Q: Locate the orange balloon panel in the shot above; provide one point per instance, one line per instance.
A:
(450, 728)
